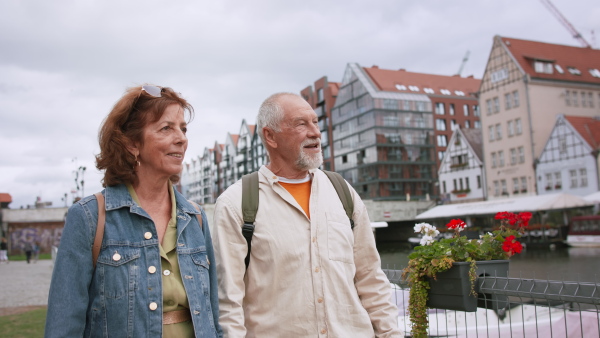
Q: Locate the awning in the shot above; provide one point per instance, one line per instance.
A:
(518, 204)
(594, 198)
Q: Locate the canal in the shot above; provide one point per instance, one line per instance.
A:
(563, 263)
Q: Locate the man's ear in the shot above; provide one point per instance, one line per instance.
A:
(269, 135)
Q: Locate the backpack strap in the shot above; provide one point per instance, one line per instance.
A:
(99, 227)
(249, 209)
(343, 192)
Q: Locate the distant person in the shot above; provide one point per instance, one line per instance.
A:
(28, 248)
(36, 251)
(3, 250)
(155, 274)
(309, 274)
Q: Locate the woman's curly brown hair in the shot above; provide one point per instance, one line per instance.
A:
(124, 126)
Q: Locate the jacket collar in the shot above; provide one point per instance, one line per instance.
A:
(117, 197)
(272, 178)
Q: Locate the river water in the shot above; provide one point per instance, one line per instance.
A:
(563, 263)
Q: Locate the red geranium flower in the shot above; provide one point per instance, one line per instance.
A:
(512, 246)
(456, 224)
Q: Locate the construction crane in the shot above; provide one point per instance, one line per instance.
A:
(566, 23)
(462, 64)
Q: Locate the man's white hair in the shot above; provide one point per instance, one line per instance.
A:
(270, 114)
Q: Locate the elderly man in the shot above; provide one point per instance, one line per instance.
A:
(310, 274)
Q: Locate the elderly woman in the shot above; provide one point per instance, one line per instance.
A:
(154, 275)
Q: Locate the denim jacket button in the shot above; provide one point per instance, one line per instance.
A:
(152, 269)
(153, 306)
(148, 235)
(116, 257)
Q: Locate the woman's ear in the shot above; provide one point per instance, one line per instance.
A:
(133, 149)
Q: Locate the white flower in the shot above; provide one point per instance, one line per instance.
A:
(427, 240)
(435, 232)
(421, 226)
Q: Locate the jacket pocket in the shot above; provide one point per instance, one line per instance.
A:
(340, 239)
(118, 269)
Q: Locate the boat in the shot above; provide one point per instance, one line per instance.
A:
(584, 232)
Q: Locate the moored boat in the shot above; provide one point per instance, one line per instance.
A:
(584, 231)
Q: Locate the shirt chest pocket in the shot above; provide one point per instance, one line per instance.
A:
(118, 267)
(340, 239)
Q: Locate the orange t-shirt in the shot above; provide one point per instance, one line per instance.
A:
(301, 193)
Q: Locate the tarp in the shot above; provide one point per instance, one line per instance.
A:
(517, 204)
(594, 198)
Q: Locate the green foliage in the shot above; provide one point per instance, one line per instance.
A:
(24, 325)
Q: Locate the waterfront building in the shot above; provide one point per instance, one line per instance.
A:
(526, 84)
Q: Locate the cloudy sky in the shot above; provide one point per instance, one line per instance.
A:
(63, 64)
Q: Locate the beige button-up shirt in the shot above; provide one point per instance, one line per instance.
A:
(307, 277)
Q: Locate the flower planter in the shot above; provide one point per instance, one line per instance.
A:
(451, 290)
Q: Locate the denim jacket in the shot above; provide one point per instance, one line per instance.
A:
(113, 300)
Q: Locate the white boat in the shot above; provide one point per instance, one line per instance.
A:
(584, 231)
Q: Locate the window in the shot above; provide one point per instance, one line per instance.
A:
(467, 183)
(488, 104)
(523, 184)
(549, 184)
(498, 131)
(574, 70)
(440, 108)
(459, 92)
(493, 160)
(389, 121)
(453, 124)
(595, 72)
(460, 183)
(573, 174)
(510, 128)
(583, 100)
(575, 99)
(583, 177)
(518, 127)
(557, 180)
(491, 133)
(516, 99)
(454, 184)
(476, 111)
(413, 88)
(513, 156)
(478, 181)
(516, 185)
(507, 101)
(503, 184)
(445, 91)
(562, 144)
(521, 154)
(501, 158)
(390, 104)
(559, 69)
(477, 124)
(344, 158)
(440, 124)
(420, 105)
(444, 187)
(400, 87)
(466, 108)
(543, 67)
(442, 140)
(496, 188)
(451, 109)
(441, 155)
(320, 97)
(591, 100)
(496, 105)
(568, 98)
(467, 124)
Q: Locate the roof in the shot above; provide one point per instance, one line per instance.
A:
(588, 128)
(410, 82)
(251, 128)
(475, 139)
(5, 197)
(586, 60)
(234, 138)
(519, 204)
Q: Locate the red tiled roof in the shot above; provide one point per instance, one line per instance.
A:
(387, 80)
(5, 197)
(588, 128)
(251, 128)
(526, 52)
(235, 138)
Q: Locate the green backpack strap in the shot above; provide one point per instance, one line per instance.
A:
(249, 209)
(343, 192)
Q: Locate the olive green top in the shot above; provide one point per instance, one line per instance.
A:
(174, 296)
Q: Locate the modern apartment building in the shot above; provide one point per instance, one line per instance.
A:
(526, 84)
(321, 96)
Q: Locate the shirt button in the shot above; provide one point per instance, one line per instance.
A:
(116, 256)
(317, 269)
(148, 235)
(152, 269)
(320, 300)
(166, 272)
(153, 306)
(171, 302)
(323, 331)
(274, 177)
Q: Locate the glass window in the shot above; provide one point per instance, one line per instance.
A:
(513, 156)
(507, 101)
(496, 188)
(478, 181)
(440, 124)
(493, 160)
(441, 155)
(477, 124)
(583, 100)
(467, 183)
(516, 99)
(557, 180)
(444, 187)
(476, 111)
(320, 95)
(467, 124)
(466, 109)
(390, 104)
(523, 184)
(498, 131)
(562, 144)
(568, 97)
(575, 99)
(440, 108)
(503, 184)
(549, 184)
(518, 127)
(510, 128)
(573, 174)
(496, 105)
(591, 100)
(451, 109)
(515, 184)
(488, 104)
(391, 121)
(501, 158)
(491, 133)
(521, 154)
(420, 106)
(583, 177)
(453, 124)
(442, 141)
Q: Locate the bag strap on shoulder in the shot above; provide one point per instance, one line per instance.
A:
(249, 209)
(343, 192)
(99, 228)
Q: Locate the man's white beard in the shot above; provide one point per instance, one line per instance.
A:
(309, 161)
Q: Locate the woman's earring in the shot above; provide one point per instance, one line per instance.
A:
(136, 161)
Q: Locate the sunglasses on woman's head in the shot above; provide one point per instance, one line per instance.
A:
(152, 90)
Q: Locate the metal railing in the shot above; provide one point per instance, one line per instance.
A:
(512, 307)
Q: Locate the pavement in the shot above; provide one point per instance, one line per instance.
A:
(23, 286)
